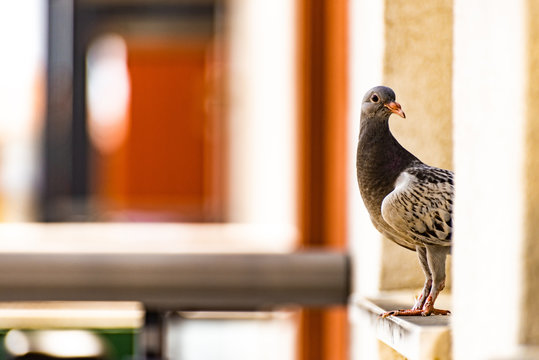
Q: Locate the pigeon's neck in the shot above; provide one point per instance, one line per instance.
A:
(378, 145)
(380, 159)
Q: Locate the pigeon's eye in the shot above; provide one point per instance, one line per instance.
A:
(375, 98)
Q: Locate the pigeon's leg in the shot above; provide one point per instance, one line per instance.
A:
(422, 256)
(436, 256)
(420, 302)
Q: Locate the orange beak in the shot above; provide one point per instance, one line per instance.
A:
(395, 108)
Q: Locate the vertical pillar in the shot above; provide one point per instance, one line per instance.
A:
(261, 106)
(153, 336)
(529, 333)
(322, 129)
(496, 146)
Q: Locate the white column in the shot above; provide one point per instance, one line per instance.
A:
(491, 110)
(262, 115)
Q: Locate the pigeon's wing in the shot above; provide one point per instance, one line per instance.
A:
(420, 206)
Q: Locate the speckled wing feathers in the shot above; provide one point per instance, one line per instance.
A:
(421, 204)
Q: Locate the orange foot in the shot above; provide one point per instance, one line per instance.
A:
(415, 312)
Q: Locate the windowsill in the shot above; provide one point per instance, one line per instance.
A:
(415, 337)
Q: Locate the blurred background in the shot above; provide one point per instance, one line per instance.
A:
(184, 111)
(170, 133)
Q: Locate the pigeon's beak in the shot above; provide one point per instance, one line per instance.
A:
(395, 108)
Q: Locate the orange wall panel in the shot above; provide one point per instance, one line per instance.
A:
(166, 164)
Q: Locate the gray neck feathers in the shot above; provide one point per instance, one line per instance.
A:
(380, 160)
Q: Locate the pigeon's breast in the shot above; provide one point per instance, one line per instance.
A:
(420, 207)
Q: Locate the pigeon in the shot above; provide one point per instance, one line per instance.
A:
(409, 202)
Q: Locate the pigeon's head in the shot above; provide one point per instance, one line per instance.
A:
(379, 102)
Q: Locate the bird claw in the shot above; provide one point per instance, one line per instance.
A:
(406, 312)
(439, 312)
(386, 314)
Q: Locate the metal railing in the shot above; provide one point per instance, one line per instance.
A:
(178, 281)
(167, 267)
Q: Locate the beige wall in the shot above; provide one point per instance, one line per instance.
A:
(418, 66)
(530, 321)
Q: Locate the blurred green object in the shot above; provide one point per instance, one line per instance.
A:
(119, 344)
(122, 342)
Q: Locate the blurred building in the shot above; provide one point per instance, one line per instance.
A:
(135, 122)
(182, 111)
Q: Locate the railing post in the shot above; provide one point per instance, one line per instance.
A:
(153, 336)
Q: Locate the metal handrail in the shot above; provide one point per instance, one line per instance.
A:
(178, 281)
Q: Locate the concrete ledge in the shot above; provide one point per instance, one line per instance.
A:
(415, 337)
(521, 352)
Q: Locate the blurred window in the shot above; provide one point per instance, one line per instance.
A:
(145, 141)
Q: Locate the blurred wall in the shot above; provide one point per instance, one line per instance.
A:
(22, 69)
